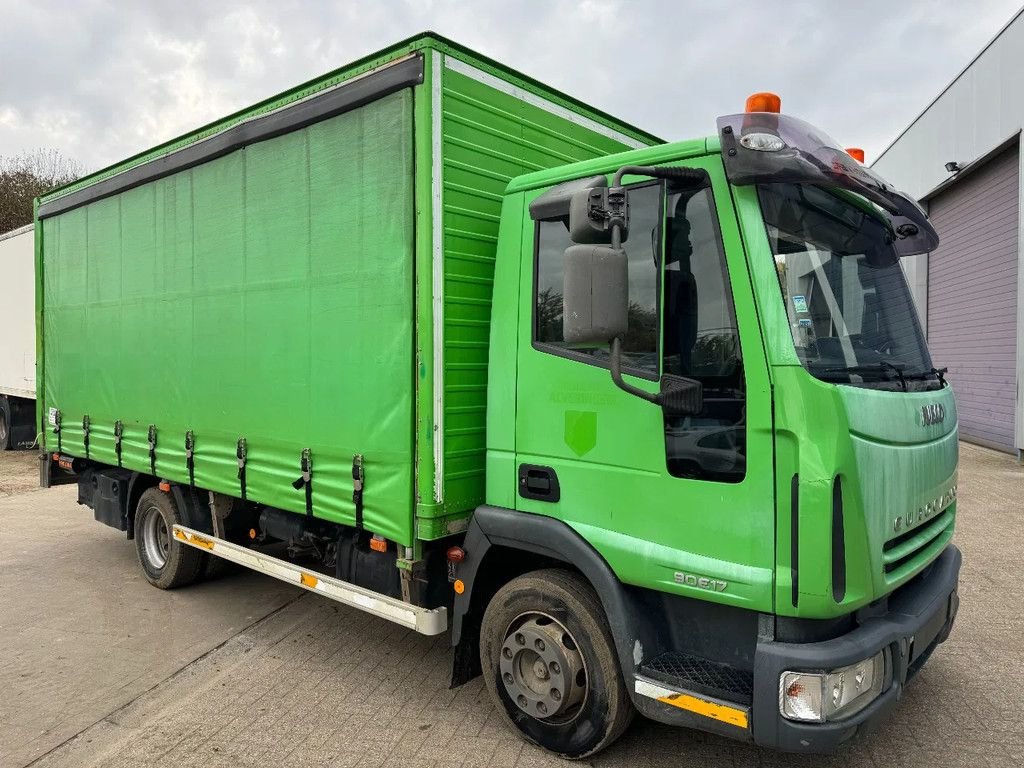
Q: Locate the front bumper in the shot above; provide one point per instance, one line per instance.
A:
(919, 617)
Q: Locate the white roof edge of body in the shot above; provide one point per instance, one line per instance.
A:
(949, 85)
(15, 232)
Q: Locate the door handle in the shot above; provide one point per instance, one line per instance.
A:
(537, 482)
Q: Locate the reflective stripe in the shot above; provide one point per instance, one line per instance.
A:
(691, 702)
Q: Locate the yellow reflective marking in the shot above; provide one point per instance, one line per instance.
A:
(308, 580)
(720, 712)
(195, 539)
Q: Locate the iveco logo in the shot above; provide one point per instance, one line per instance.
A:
(933, 413)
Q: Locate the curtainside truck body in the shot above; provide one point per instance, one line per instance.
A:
(647, 427)
(17, 339)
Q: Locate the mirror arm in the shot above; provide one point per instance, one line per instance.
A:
(616, 366)
(616, 349)
(690, 176)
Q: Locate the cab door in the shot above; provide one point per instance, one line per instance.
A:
(681, 504)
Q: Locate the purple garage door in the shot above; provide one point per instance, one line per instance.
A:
(972, 297)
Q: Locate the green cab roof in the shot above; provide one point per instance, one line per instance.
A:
(654, 155)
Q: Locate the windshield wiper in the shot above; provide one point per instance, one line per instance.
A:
(938, 373)
(880, 367)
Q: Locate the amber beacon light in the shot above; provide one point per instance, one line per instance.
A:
(764, 102)
(760, 126)
(856, 153)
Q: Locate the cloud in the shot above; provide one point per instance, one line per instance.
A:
(101, 83)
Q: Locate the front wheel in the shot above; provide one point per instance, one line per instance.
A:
(550, 666)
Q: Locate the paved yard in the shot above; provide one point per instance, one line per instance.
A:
(204, 680)
(19, 472)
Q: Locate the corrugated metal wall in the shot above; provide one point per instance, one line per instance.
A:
(972, 297)
(489, 136)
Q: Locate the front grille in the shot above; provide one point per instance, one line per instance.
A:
(694, 673)
(912, 549)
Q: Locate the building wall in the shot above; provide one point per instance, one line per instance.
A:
(972, 297)
(977, 113)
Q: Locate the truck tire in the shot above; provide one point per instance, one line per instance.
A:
(550, 666)
(214, 568)
(5, 424)
(166, 562)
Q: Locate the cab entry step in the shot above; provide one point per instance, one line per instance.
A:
(693, 673)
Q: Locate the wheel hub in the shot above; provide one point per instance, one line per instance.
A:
(156, 538)
(541, 668)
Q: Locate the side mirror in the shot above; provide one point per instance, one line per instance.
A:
(596, 294)
(594, 212)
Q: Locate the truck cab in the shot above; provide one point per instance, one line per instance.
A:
(711, 398)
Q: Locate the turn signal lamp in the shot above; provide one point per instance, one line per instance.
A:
(764, 102)
(818, 697)
(856, 153)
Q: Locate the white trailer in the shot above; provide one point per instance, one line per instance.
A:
(17, 339)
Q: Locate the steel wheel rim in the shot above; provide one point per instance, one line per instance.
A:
(156, 540)
(542, 669)
(3, 427)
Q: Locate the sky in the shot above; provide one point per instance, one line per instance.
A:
(101, 81)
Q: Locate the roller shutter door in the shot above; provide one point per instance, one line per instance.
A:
(972, 297)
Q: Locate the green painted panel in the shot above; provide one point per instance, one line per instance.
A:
(267, 294)
(489, 136)
(608, 447)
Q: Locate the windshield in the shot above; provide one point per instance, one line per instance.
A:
(850, 311)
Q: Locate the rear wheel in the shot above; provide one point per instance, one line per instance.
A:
(5, 424)
(214, 568)
(166, 562)
(550, 666)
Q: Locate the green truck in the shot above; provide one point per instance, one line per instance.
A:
(647, 427)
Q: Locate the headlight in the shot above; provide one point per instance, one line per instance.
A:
(819, 696)
(762, 142)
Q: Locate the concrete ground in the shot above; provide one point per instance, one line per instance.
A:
(82, 633)
(98, 668)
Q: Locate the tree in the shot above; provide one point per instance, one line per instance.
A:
(26, 176)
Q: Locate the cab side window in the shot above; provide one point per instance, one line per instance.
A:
(701, 342)
(640, 347)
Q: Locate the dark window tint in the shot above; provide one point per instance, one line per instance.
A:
(701, 342)
(640, 347)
